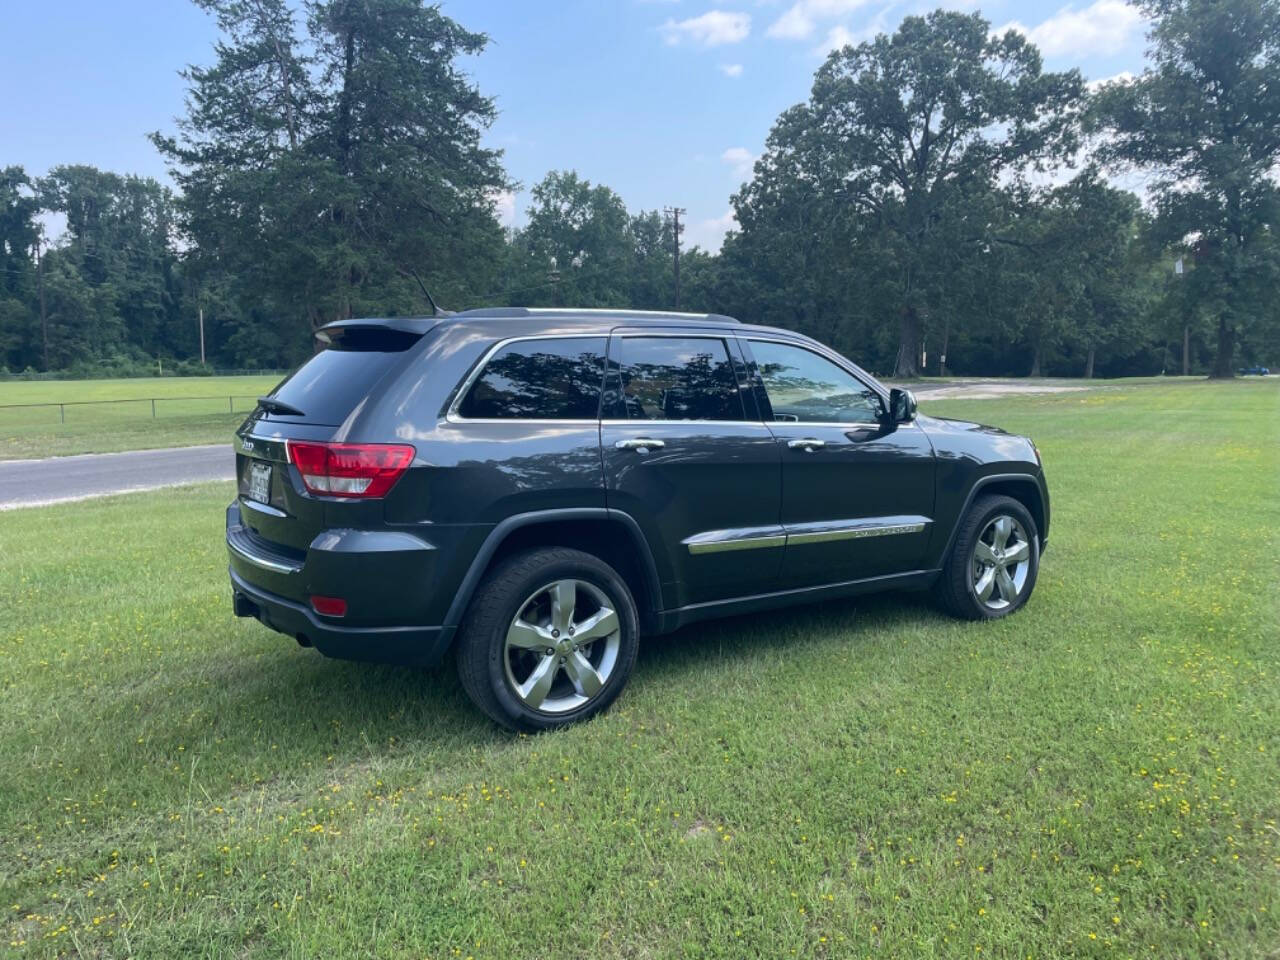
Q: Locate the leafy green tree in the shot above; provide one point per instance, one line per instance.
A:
(1205, 118)
(336, 168)
(19, 233)
(652, 275)
(1077, 270)
(117, 286)
(579, 239)
(905, 131)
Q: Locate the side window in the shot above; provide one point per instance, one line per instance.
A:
(675, 378)
(804, 387)
(556, 379)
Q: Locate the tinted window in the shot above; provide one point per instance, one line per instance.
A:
(539, 380)
(669, 378)
(804, 387)
(328, 386)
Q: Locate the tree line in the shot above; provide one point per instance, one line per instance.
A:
(939, 204)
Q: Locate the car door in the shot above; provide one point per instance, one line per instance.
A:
(686, 454)
(857, 496)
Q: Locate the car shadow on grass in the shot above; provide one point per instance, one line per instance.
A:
(386, 701)
(266, 707)
(754, 634)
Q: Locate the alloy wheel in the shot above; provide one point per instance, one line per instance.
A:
(1001, 562)
(562, 646)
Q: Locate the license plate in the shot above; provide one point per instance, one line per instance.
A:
(260, 482)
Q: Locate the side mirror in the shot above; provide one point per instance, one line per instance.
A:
(902, 406)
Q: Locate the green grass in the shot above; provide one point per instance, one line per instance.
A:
(1096, 776)
(190, 410)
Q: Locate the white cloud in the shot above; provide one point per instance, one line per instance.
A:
(709, 234)
(837, 38)
(504, 207)
(1124, 76)
(713, 29)
(801, 18)
(731, 69)
(740, 159)
(1103, 27)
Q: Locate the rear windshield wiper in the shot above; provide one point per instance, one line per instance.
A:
(272, 405)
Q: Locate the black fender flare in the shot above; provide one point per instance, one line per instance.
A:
(1029, 479)
(505, 528)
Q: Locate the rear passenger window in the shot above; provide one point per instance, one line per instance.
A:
(676, 378)
(553, 379)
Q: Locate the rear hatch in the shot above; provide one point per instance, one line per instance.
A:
(279, 515)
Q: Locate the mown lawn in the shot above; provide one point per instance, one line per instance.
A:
(1097, 776)
(188, 410)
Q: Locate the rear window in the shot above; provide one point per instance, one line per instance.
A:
(329, 386)
(547, 379)
(675, 378)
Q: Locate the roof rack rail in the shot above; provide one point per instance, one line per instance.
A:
(514, 312)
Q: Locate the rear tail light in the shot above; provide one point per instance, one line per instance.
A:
(363, 470)
(329, 606)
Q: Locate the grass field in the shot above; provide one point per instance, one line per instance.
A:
(189, 410)
(1098, 776)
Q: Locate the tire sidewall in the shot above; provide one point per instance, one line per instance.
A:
(1005, 505)
(603, 577)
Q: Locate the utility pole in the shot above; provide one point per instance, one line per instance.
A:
(202, 335)
(44, 314)
(675, 217)
(1186, 329)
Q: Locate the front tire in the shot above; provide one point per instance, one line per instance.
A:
(994, 562)
(550, 638)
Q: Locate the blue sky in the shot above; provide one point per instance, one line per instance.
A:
(666, 101)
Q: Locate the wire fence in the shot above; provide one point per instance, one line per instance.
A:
(92, 374)
(90, 412)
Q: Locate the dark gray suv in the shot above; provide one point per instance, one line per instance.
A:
(536, 489)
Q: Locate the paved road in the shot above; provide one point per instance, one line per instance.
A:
(34, 483)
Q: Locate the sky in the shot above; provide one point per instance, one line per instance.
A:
(666, 101)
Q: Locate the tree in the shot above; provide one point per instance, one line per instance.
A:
(906, 131)
(1205, 117)
(339, 171)
(1077, 275)
(19, 283)
(119, 247)
(577, 247)
(652, 281)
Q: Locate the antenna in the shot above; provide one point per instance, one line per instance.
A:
(435, 310)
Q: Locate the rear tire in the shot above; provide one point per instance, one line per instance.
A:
(994, 562)
(550, 638)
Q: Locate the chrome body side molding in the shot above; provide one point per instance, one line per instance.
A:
(745, 538)
(753, 538)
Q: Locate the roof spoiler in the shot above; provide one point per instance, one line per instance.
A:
(395, 328)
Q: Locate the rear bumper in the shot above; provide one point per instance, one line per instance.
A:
(421, 646)
(379, 573)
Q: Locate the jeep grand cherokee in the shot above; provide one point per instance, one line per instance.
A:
(536, 489)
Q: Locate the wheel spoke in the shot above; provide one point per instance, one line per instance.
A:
(525, 636)
(982, 587)
(983, 552)
(1008, 592)
(597, 626)
(535, 689)
(1003, 527)
(583, 675)
(564, 596)
(1017, 553)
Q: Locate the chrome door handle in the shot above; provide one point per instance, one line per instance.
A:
(807, 444)
(639, 444)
